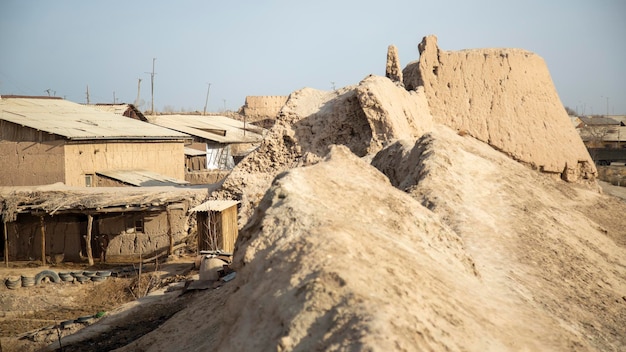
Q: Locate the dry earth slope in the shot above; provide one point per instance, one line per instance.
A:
(336, 258)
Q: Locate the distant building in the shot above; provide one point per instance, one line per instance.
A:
(602, 132)
(262, 110)
(219, 142)
(45, 140)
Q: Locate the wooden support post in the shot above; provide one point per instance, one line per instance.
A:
(88, 239)
(170, 233)
(42, 227)
(6, 245)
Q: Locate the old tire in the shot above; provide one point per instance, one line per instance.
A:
(82, 278)
(66, 276)
(12, 283)
(54, 277)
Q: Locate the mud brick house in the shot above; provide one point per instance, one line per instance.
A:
(45, 140)
(78, 224)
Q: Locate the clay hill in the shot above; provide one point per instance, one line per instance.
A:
(449, 206)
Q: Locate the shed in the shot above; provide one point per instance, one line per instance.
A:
(118, 225)
(217, 225)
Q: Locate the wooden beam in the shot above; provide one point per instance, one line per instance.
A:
(88, 239)
(170, 233)
(42, 227)
(6, 245)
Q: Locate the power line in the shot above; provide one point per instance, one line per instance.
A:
(152, 87)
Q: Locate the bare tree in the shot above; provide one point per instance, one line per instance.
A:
(594, 135)
(211, 241)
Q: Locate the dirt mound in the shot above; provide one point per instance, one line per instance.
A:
(501, 258)
(364, 118)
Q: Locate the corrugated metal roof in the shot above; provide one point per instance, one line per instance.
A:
(208, 127)
(599, 121)
(79, 122)
(142, 178)
(214, 205)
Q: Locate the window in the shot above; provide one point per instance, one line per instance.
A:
(88, 180)
(134, 223)
(138, 224)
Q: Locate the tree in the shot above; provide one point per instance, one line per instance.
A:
(570, 111)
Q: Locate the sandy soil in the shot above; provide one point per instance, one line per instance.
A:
(30, 315)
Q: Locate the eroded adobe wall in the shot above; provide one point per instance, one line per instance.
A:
(506, 98)
(125, 243)
(63, 236)
(164, 158)
(262, 107)
(31, 163)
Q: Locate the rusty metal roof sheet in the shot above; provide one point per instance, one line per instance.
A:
(142, 178)
(79, 122)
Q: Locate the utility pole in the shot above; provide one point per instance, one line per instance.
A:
(224, 104)
(207, 99)
(113, 97)
(87, 94)
(152, 86)
(138, 91)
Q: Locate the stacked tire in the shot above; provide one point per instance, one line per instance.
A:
(13, 283)
(28, 281)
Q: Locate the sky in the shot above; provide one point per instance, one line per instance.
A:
(234, 49)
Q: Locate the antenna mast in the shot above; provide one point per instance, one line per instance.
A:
(87, 94)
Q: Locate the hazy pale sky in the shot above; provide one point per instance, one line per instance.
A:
(276, 47)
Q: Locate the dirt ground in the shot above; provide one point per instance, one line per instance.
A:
(30, 316)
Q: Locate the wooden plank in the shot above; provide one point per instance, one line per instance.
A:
(170, 250)
(42, 227)
(6, 245)
(88, 239)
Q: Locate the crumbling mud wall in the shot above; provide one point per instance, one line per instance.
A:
(63, 236)
(506, 98)
(127, 243)
(363, 118)
(263, 107)
(392, 112)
